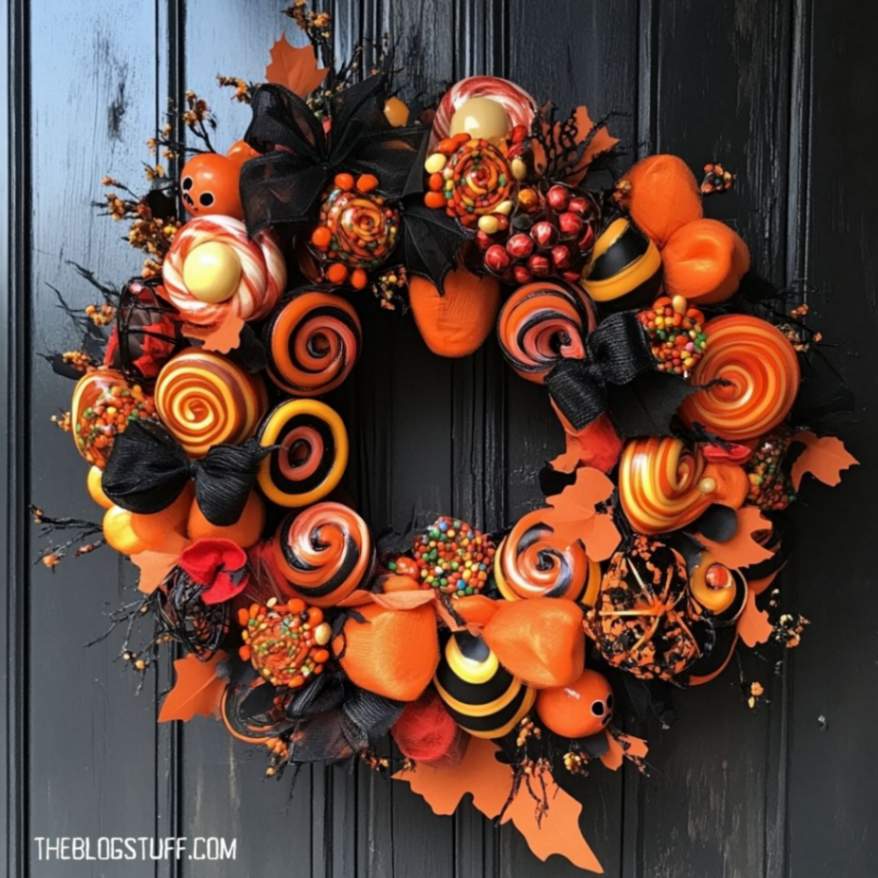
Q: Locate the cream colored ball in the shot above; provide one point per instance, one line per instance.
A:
(480, 117)
(212, 272)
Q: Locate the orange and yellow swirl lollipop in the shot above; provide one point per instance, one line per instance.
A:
(664, 486)
(752, 375)
(205, 399)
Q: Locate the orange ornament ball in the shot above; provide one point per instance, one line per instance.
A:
(209, 185)
(96, 488)
(119, 533)
(154, 529)
(579, 710)
(246, 531)
(455, 322)
(241, 151)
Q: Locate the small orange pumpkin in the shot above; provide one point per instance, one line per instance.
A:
(456, 322)
(393, 653)
(704, 262)
(540, 640)
(246, 531)
(153, 530)
(662, 196)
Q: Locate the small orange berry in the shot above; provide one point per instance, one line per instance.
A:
(359, 279)
(321, 237)
(436, 182)
(345, 182)
(366, 183)
(336, 273)
(434, 199)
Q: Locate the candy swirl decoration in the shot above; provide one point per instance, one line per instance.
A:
(324, 553)
(309, 452)
(753, 375)
(453, 557)
(542, 323)
(530, 563)
(214, 270)
(519, 106)
(313, 341)
(103, 405)
(478, 181)
(664, 486)
(204, 399)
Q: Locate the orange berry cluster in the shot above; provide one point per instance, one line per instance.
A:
(453, 557)
(676, 334)
(285, 643)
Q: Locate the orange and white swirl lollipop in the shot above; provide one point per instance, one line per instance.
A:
(205, 399)
(532, 563)
(324, 553)
(753, 375)
(215, 270)
(663, 485)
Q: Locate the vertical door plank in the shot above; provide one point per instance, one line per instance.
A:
(831, 793)
(223, 788)
(93, 105)
(719, 89)
(570, 53)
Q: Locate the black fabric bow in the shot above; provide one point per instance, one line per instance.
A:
(617, 376)
(148, 469)
(284, 185)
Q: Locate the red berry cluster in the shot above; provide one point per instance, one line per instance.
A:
(553, 240)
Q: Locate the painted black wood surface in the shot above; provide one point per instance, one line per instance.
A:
(783, 92)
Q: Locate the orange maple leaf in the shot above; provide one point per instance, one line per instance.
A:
(295, 68)
(825, 457)
(155, 564)
(753, 624)
(573, 514)
(223, 337)
(619, 746)
(489, 781)
(602, 142)
(742, 549)
(198, 689)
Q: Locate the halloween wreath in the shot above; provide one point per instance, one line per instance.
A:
(688, 396)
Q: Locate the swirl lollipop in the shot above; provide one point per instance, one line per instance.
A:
(478, 180)
(313, 342)
(542, 323)
(520, 107)
(664, 486)
(205, 399)
(756, 371)
(530, 564)
(310, 452)
(214, 270)
(325, 552)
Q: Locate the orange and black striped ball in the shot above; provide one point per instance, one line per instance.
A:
(481, 695)
(625, 269)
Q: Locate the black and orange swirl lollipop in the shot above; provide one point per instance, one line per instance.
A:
(542, 323)
(313, 342)
(205, 399)
(324, 552)
(309, 456)
(749, 375)
(531, 564)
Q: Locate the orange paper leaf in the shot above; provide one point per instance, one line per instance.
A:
(617, 749)
(156, 564)
(741, 550)
(825, 457)
(295, 68)
(198, 689)
(489, 782)
(573, 514)
(222, 338)
(602, 142)
(753, 625)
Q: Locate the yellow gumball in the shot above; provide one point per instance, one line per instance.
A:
(96, 489)
(212, 272)
(480, 117)
(118, 532)
(396, 112)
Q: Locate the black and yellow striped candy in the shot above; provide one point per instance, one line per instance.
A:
(483, 698)
(625, 269)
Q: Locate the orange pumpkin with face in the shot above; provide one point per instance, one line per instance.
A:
(454, 323)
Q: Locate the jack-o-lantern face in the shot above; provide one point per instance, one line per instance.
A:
(209, 185)
(579, 710)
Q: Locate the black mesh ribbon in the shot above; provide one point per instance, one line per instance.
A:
(148, 469)
(617, 353)
(283, 186)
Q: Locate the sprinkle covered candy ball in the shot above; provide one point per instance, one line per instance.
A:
(676, 334)
(453, 557)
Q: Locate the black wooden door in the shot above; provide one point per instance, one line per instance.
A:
(783, 92)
